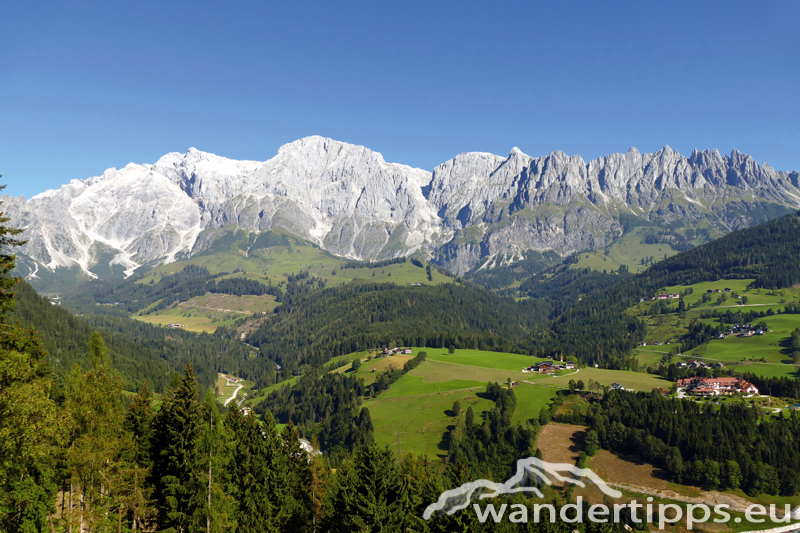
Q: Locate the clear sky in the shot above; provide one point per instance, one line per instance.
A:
(89, 85)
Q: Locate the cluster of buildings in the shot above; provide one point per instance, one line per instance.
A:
(697, 364)
(717, 386)
(174, 325)
(665, 296)
(386, 351)
(742, 330)
(546, 367)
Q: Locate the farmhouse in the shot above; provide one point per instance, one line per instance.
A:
(617, 386)
(717, 386)
(543, 367)
(549, 366)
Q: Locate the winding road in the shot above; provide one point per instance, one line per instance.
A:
(240, 387)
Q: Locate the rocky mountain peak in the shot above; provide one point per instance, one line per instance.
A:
(353, 203)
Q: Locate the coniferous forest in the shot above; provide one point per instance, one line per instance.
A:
(76, 454)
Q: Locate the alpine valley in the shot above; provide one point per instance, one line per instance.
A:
(474, 212)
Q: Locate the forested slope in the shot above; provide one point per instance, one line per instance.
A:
(138, 350)
(345, 319)
(596, 328)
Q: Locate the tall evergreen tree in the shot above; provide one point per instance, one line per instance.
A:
(96, 415)
(139, 428)
(176, 428)
(297, 500)
(259, 473)
(30, 424)
(213, 507)
(7, 262)
(367, 494)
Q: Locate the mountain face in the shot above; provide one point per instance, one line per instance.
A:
(349, 201)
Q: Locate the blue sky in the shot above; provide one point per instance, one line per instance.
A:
(89, 85)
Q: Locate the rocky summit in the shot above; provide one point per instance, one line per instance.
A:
(352, 203)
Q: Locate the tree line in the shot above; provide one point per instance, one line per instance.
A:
(732, 447)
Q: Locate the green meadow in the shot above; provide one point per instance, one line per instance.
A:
(494, 360)
(419, 423)
(766, 355)
(270, 256)
(414, 411)
(629, 250)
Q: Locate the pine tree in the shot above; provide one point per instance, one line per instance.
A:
(96, 415)
(213, 502)
(31, 427)
(176, 428)
(31, 431)
(296, 501)
(139, 428)
(258, 472)
(7, 263)
(367, 494)
(319, 481)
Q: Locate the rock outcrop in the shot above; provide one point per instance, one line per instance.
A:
(351, 202)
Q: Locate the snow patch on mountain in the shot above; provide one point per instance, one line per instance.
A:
(351, 202)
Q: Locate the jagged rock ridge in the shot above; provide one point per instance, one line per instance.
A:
(351, 202)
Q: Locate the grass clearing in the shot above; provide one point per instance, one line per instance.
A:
(370, 369)
(494, 360)
(198, 324)
(628, 250)
(530, 400)
(419, 423)
(630, 380)
(439, 372)
(410, 385)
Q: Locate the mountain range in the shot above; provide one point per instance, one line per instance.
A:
(474, 210)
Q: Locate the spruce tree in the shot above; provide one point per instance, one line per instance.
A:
(176, 428)
(213, 504)
(7, 263)
(139, 428)
(31, 427)
(297, 500)
(92, 400)
(258, 472)
(367, 494)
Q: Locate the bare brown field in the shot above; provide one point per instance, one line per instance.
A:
(560, 443)
(614, 468)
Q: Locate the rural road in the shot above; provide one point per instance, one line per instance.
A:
(736, 503)
(240, 387)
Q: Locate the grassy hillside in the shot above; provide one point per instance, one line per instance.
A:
(767, 355)
(597, 329)
(430, 390)
(272, 258)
